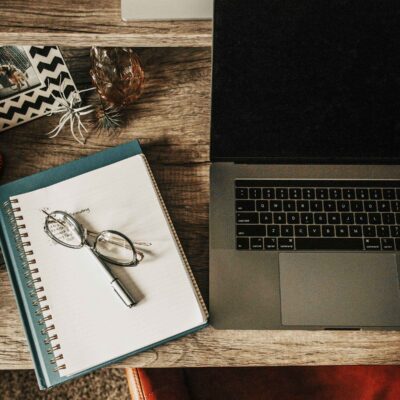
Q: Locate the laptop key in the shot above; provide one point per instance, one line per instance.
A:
(397, 241)
(362, 194)
(303, 205)
(295, 193)
(383, 231)
(308, 194)
(268, 193)
(375, 194)
(334, 218)
(374, 218)
(395, 205)
(361, 218)
(256, 243)
(329, 244)
(372, 244)
(320, 218)
(328, 231)
(383, 206)
(395, 231)
(279, 218)
(293, 218)
(250, 230)
(242, 244)
(316, 205)
(266, 218)
(389, 194)
(335, 193)
(270, 243)
(273, 230)
(347, 218)
(242, 193)
(369, 231)
(343, 205)
(355, 231)
(262, 205)
(287, 230)
(314, 230)
(342, 231)
(289, 205)
(247, 218)
(282, 193)
(329, 206)
(255, 193)
(321, 194)
(306, 218)
(349, 194)
(387, 244)
(300, 230)
(356, 206)
(388, 218)
(286, 244)
(275, 205)
(245, 205)
(370, 206)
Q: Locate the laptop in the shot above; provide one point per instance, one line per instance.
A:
(305, 174)
(166, 9)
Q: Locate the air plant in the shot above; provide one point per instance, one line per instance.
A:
(71, 111)
(108, 118)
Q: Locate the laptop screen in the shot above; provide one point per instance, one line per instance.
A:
(306, 81)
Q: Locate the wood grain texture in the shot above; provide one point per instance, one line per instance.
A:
(88, 22)
(172, 122)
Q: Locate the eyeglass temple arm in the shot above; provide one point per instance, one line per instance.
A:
(138, 243)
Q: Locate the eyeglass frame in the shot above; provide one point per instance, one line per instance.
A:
(83, 233)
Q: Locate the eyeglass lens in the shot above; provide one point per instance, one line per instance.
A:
(64, 229)
(115, 248)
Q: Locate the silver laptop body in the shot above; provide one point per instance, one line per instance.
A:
(305, 105)
(166, 9)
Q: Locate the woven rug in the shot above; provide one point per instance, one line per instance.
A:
(106, 384)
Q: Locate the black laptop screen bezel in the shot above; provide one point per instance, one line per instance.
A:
(218, 153)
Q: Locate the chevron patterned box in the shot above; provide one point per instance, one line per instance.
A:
(31, 78)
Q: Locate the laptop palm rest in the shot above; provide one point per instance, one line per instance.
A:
(339, 289)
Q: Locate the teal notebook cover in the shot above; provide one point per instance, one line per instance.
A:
(9, 242)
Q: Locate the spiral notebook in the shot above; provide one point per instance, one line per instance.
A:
(73, 321)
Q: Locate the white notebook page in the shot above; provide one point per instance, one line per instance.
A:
(92, 324)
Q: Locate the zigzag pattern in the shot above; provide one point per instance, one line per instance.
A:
(41, 50)
(53, 72)
(52, 66)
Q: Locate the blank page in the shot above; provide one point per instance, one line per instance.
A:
(93, 325)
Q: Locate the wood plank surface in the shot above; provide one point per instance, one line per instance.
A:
(172, 122)
(88, 22)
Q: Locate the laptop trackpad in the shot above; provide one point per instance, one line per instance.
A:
(339, 289)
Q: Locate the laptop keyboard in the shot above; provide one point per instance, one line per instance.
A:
(276, 215)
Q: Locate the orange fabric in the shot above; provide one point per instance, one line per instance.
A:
(154, 384)
(273, 383)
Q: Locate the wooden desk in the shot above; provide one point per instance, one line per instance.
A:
(84, 22)
(172, 122)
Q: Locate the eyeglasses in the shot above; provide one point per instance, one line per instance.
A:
(109, 246)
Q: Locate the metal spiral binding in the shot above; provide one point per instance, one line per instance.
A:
(31, 275)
